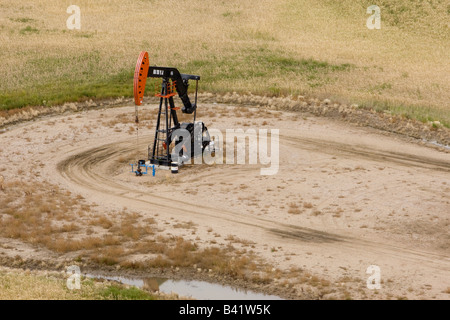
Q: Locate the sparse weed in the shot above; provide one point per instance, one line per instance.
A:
(308, 205)
(294, 208)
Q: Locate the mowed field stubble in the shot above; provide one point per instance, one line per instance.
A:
(314, 48)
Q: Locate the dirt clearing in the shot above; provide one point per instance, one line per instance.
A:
(344, 198)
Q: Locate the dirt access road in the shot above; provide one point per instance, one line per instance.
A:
(344, 198)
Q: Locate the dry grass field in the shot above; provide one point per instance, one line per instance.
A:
(355, 187)
(314, 48)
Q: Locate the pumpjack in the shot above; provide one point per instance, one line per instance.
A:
(168, 128)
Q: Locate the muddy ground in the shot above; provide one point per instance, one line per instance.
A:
(346, 196)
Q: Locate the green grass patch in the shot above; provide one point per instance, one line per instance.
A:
(379, 88)
(23, 285)
(114, 292)
(61, 91)
(87, 35)
(62, 82)
(23, 20)
(55, 79)
(29, 30)
(231, 14)
(261, 66)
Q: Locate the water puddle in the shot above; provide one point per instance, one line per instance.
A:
(200, 290)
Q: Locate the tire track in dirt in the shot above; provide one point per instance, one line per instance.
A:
(363, 152)
(85, 169)
(81, 169)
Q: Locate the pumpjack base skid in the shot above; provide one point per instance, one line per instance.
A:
(161, 162)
